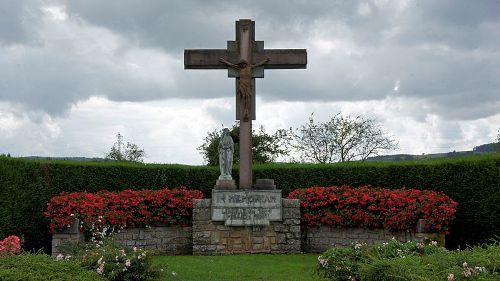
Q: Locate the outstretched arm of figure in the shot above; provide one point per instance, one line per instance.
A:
(261, 63)
(224, 61)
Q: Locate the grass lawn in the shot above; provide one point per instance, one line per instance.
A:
(238, 267)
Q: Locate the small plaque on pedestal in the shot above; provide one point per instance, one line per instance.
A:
(246, 207)
(264, 184)
(225, 184)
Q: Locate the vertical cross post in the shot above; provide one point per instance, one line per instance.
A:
(245, 30)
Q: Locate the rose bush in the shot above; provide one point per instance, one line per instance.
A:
(10, 245)
(397, 209)
(132, 208)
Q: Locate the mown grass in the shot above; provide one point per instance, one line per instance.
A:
(238, 267)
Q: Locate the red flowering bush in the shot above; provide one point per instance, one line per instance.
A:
(133, 208)
(10, 245)
(370, 207)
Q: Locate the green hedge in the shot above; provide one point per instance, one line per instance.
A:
(474, 182)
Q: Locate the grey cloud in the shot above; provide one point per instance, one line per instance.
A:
(459, 66)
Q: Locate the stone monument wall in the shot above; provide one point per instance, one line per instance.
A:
(171, 240)
(244, 222)
(321, 238)
(216, 237)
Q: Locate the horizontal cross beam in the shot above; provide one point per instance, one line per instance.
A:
(278, 58)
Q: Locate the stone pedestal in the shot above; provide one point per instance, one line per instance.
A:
(225, 185)
(246, 221)
(264, 184)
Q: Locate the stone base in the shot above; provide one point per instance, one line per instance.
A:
(264, 184)
(216, 238)
(225, 185)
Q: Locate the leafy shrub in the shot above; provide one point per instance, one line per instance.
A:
(107, 210)
(111, 260)
(397, 209)
(40, 267)
(344, 263)
(409, 261)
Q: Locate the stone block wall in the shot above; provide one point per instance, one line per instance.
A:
(321, 238)
(172, 240)
(212, 237)
(71, 234)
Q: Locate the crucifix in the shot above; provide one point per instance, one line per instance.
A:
(245, 59)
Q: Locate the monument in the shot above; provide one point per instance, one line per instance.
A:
(250, 219)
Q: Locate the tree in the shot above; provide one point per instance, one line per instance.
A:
(342, 139)
(266, 148)
(130, 153)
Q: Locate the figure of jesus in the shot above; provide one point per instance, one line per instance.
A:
(245, 83)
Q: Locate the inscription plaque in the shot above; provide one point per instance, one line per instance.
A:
(252, 207)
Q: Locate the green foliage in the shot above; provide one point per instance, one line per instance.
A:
(111, 260)
(265, 147)
(409, 261)
(343, 264)
(26, 187)
(131, 152)
(478, 263)
(40, 267)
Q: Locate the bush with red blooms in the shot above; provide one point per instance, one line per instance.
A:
(129, 208)
(10, 245)
(369, 207)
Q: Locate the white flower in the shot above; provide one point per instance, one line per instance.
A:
(100, 269)
(134, 249)
(434, 243)
(323, 261)
(127, 263)
(60, 257)
(467, 273)
(480, 269)
(174, 273)
(451, 277)
(357, 246)
(465, 264)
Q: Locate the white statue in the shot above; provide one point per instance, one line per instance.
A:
(226, 150)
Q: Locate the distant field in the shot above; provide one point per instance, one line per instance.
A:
(239, 267)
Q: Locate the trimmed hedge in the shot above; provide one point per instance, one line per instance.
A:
(474, 182)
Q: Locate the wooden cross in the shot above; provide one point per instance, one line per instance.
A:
(245, 50)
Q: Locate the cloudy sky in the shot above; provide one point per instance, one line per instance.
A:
(74, 73)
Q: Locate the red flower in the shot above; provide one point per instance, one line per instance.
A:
(365, 206)
(127, 208)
